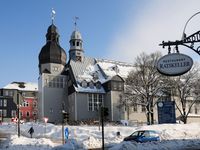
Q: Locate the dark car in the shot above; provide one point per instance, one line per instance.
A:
(143, 136)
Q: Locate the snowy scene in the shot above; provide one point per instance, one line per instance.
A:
(48, 136)
(100, 75)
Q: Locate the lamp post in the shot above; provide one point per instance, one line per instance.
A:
(20, 85)
(187, 41)
(102, 125)
(18, 115)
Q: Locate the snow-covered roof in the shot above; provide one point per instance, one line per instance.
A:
(28, 86)
(97, 70)
(112, 68)
(89, 90)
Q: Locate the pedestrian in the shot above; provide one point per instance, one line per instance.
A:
(31, 131)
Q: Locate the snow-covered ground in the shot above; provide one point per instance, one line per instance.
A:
(46, 137)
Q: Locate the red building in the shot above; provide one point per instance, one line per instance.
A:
(28, 109)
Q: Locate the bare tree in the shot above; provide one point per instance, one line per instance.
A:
(144, 83)
(186, 88)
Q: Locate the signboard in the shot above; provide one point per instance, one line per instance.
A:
(174, 64)
(166, 112)
(66, 134)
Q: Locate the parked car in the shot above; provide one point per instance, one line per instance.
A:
(143, 136)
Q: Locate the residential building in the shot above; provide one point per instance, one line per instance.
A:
(27, 97)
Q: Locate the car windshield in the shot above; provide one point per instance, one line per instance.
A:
(145, 133)
(135, 133)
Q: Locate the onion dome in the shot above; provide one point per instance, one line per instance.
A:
(52, 52)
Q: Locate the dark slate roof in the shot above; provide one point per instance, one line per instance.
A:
(81, 72)
(52, 52)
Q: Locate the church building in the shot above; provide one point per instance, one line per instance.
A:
(79, 85)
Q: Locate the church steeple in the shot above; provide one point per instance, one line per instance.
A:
(76, 51)
(51, 52)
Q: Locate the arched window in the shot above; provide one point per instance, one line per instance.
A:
(77, 43)
(98, 85)
(91, 85)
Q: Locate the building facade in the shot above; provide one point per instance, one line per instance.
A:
(12, 96)
(82, 84)
(79, 86)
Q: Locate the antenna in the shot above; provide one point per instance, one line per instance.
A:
(75, 22)
(53, 14)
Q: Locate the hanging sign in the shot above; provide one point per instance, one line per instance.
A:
(174, 64)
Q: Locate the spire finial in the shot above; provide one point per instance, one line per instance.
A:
(53, 14)
(75, 22)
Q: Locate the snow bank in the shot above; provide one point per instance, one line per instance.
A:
(46, 137)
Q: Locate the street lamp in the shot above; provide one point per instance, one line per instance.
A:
(102, 125)
(185, 41)
(20, 85)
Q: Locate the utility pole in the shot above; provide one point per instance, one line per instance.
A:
(18, 115)
(102, 125)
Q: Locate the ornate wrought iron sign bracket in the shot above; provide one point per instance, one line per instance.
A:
(186, 41)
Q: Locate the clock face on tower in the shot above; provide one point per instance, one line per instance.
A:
(78, 58)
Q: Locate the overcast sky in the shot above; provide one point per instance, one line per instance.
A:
(111, 29)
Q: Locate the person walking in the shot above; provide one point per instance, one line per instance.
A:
(31, 131)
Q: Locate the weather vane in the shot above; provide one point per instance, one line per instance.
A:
(53, 14)
(75, 22)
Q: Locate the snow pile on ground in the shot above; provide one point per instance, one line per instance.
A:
(49, 136)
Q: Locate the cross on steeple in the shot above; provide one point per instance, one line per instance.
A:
(75, 22)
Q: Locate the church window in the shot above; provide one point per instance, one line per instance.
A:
(95, 75)
(84, 84)
(90, 102)
(94, 101)
(54, 82)
(98, 85)
(91, 85)
(73, 43)
(100, 98)
(58, 82)
(46, 81)
(77, 44)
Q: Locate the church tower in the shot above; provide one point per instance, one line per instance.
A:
(76, 51)
(52, 81)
